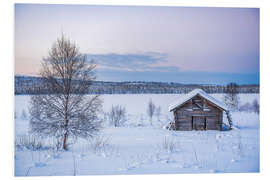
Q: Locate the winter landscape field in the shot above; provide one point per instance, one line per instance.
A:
(136, 147)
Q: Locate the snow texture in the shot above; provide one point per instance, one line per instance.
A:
(139, 148)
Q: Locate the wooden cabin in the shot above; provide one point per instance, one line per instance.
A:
(198, 111)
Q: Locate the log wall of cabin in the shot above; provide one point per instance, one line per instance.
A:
(184, 115)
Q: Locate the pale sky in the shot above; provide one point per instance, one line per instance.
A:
(171, 44)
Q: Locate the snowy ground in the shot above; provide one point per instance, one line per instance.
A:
(138, 148)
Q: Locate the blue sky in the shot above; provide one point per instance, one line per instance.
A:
(140, 43)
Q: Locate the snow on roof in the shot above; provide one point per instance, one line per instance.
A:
(193, 93)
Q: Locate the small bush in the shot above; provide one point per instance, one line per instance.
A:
(57, 143)
(99, 143)
(23, 115)
(256, 106)
(117, 115)
(158, 112)
(246, 107)
(170, 126)
(34, 143)
(15, 115)
(151, 110)
(29, 142)
(168, 145)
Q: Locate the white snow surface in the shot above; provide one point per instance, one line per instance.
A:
(138, 148)
(196, 92)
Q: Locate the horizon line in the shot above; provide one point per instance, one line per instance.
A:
(145, 81)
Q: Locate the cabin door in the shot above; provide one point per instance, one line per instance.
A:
(199, 122)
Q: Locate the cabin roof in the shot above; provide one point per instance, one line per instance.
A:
(192, 94)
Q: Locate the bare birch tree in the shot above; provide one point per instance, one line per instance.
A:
(65, 111)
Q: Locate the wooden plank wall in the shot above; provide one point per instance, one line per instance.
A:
(184, 116)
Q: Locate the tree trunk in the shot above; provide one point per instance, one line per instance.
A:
(66, 123)
(65, 135)
(65, 141)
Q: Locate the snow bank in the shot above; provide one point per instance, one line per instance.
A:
(141, 149)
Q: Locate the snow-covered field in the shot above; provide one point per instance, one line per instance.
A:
(138, 148)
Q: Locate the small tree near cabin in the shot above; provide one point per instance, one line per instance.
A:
(65, 111)
(231, 98)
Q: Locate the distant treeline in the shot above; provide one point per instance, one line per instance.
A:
(34, 85)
